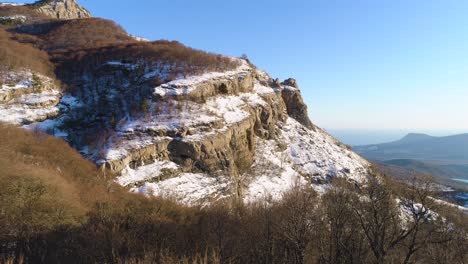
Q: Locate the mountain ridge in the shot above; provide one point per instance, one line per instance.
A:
(451, 149)
(165, 119)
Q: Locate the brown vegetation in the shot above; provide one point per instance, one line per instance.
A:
(81, 34)
(166, 56)
(11, 10)
(54, 208)
(15, 56)
(85, 45)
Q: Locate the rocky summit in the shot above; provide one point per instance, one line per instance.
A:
(160, 117)
(62, 9)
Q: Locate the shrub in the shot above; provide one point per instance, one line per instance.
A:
(166, 56)
(61, 35)
(37, 82)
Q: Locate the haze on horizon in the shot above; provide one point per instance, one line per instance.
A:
(387, 65)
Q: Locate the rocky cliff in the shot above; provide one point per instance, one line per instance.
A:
(61, 9)
(168, 120)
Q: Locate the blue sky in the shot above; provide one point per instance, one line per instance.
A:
(361, 64)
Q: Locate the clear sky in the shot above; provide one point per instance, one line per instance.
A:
(361, 64)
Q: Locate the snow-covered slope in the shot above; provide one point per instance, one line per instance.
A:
(219, 135)
(298, 156)
(290, 154)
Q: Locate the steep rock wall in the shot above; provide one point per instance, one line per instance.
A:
(219, 146)
(297, 109)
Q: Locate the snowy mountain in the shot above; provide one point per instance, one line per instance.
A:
(168, 120)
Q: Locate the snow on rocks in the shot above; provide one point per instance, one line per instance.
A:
(23, 114)
(15, 83)
(23, 103)
(145, 173)
(189, 188)
(11, 4)
(130, 66)
(299, 156)
(262, 89)
(320, 156)
(45, 98)
(13, 19)
(188, 121)
(137, 38)
(187, 85)
(271, 175)
(228, 107)
(294, 155)
(53, 126)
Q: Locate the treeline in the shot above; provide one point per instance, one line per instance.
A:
(55, 207)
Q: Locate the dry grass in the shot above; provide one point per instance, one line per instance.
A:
(14, 55)
(26, 155)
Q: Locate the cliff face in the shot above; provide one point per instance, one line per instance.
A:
(62, 9)
(202, 137)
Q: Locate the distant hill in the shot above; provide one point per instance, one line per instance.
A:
(401, 168)
(438, 150)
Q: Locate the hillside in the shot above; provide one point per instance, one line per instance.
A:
(57, 207)
(401, 168)
(164, 118)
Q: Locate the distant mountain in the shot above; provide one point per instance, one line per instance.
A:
(439, 150)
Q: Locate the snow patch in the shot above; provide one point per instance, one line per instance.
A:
(189, 188)
(186, 85)
(148, 172)
(11, 4)
(19, 18)
(230, 108)
(23, 114)
(320, 156)
(262, 89)
(137, 38)
(299, 156)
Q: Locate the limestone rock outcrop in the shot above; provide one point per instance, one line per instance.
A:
(297, 109)
(27, 97)
(62, 9)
